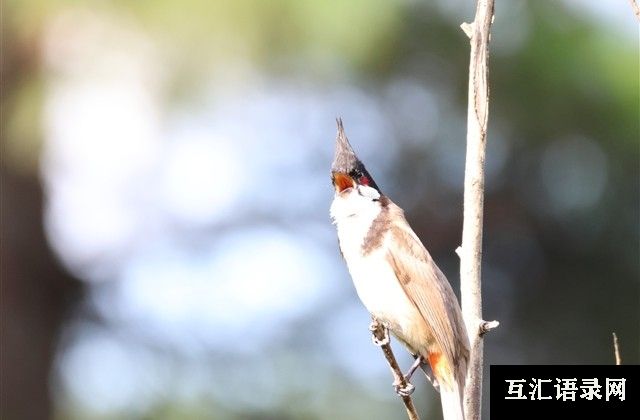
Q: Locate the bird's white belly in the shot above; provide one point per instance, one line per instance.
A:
(381, 293)
(373, 277)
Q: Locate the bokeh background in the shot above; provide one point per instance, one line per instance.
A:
(166, 248)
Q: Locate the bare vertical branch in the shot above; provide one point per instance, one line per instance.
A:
(616, 349)
(381, 338)
(470, 251)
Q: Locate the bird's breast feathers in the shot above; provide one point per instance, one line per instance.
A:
(373, 276)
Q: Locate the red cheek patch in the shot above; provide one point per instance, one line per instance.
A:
(342, 181)
(364, 180)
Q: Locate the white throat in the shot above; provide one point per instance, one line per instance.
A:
(353, 212)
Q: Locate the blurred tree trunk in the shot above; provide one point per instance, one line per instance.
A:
(35, 292)
(35, 295)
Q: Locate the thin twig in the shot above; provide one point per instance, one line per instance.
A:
(487, 326)
(381, 336)
(616, 349)
(470, 251)
(636, 8)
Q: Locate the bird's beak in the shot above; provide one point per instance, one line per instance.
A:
(342, 181)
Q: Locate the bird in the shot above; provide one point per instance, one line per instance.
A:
(396, 278)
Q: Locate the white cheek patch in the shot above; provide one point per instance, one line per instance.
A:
(345, 205)
(355, 202)
(369, 192)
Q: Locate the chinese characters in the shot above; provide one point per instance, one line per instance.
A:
(565, 389)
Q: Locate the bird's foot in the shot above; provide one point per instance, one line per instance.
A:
(403, 391)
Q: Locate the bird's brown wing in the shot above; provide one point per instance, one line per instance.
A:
(428, 289)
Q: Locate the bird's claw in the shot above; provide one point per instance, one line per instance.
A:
(403, 391)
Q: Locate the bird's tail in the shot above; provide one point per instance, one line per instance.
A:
(451, 383)
(451, 399)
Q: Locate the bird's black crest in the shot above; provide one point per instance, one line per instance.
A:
(346, 161)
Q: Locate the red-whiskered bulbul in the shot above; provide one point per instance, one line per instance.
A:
(396, 278)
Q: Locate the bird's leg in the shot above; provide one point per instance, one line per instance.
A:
(380, 337)
(408, 390)
(416, 364)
